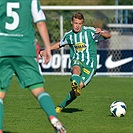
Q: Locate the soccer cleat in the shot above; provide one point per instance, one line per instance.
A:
(58, 109)
(76, 88)
(59, 128)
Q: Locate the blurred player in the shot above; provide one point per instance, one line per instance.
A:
(82, 41)
(38, 48)
(17, 53)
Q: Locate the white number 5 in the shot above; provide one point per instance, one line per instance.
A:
(13, 14)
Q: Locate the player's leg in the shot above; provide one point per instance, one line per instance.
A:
(88, 74)
(47, 105)
(75, 84)
(70, 97)
(2, 96)
(44, 99)
(29, 76)
(76, 74)
(6, 73)
(76, 78)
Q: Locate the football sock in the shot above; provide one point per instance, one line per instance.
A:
(1, 114)
(70, 97)
(47, 104)
(77, 78)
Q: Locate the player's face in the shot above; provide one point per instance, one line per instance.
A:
(77, 24)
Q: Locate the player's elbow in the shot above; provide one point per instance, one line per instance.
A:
(41, 24)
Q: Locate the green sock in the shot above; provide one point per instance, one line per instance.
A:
(1, 114)
(77, 78)
(47, 104)
(70, 97)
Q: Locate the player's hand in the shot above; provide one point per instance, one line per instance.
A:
(99, 31)
(46, 54)
(103, 33)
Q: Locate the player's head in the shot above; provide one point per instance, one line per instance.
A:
(77, 21)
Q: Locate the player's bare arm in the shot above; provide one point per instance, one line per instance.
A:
(103, 33)
(52, 47)
(45, 37)
(55, 46)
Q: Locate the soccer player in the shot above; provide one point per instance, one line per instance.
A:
(17, 54)
(82, 41)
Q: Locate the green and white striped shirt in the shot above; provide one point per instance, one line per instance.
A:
(83, 46)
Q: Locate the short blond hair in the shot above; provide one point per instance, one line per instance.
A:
(78, 16)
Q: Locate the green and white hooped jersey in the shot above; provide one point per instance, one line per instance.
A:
(83, 46)
(16, 26)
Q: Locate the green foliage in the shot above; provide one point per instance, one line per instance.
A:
(86, 2)
(88, 113)
(71, 2)
(93, 18)
(120, 2)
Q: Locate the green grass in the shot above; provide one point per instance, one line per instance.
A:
(89, 113)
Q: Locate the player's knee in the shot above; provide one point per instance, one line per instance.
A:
(72, 93)
(82, 85)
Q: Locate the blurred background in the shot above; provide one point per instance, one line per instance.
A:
(119, 22)
(86, 2)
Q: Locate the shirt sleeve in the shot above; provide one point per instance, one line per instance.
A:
(92, 28)
(63, 41)
(37, 12)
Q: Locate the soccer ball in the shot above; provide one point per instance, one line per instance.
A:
(118, 108)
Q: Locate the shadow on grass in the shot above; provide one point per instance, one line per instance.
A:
(66, 110)
(111, 115)
(71, 110)
(115, 116)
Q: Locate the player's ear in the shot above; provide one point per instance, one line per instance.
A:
(71, 22)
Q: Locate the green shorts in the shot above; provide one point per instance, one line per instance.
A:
(87, 72)
(25, 68)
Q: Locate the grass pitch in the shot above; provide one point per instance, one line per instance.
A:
(89, 113)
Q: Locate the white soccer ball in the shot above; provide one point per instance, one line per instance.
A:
(118, 108)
